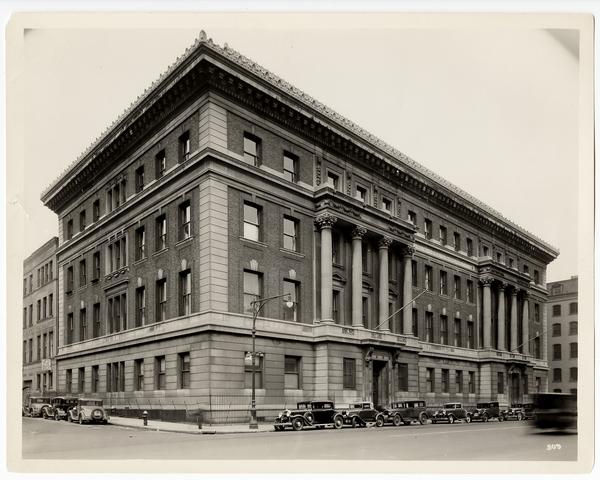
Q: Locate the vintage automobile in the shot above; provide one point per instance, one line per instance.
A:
(362, 415)
(450, 412)
(61, 406)
(405, 412)
(555, 411)
(88, 410)
(319, 414)
(518, 411)
(485, 411)
(37, 407)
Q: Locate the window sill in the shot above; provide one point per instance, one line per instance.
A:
(140, 261)
(292, 253)
(253, 242)
(160, 252)
(184, 242)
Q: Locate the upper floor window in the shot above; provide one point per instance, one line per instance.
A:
(69, 279)
(117, 254)
(457, 288)
(536, 277)
(470, 247)
(361, 194)
(161, 233)
(140, 243)
(526, 269)
(470, 291)
(96, 210)
(82, 221)
(185, 220)
(456, 241)
(184, 146)
(252, 289)
(337, 256)
(291, 289)
(333, 180)
(556, 352)
(556, 289)
(386, 205)
(251, 222)
(414, 274)
(290, 166)
(160, 162)
(82, 273)
(443, 283)
(443, 235)
(70, 229)
(139, 178)
(572, 328)
(427, 228)
(536, 312)
(573, 350)
(251, 149)
(161, 300)
(498, 257)
(486, 251)
(290, 233)
(511, 262)
(573, 308)
(556, 312)
(185, 289)
(412, 217)
(96, 266)
(428, 278)
(556, 330)
(140, 306)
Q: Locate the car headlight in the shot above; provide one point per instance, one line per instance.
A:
(444, 412)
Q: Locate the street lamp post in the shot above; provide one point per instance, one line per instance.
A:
(256, 307)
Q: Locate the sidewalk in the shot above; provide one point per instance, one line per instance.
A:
(160, 426)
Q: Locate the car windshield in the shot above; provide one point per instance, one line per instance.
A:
(303, 406)
(96, 403)
(40, 400)
(483, 405)
(322, 405)
(451, 405)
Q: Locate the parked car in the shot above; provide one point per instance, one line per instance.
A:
(405, 412)
(362, 415)
(518, 411)
(319, 414)
(485, 411)
(88, 410)
(61, 407)
(555, 411)
(37, 407)
(450, 412)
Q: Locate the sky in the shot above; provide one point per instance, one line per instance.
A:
(494, 111)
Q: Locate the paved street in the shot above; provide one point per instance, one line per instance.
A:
(486, 441)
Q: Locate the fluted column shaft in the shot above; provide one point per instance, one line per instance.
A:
(501, 318)
(325, 222)
(384, 289)
(357, 313)
(525, 326)
(487, 312)
(407, 290)
(514, 323)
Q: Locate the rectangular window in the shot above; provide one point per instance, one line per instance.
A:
(290, 233)
(429, 326)
(556, 311)
(349, 366)
(96, 266)
(184, 146)
(160, 164)
(96, 320)
(457, 241)
(573, 350)
(498, 257)
(536, 312)
(333, 180)
(430, 380)
(403, 377)
(428, 278)
(44, 307)
(538, 384)
(335, 306)
(536, 277)
(444, 330)
(292, 368)
(427, 228)
(50, 301)
(486, 251)
(458, 380)
(572, 328)
(500, 383)
(185, 289)
(557, 375)
(526, 269)
(81, 380)
(361, 194)
(82, 325)
(161, 233)
(140, 243)
(139, 178)
(365, 312)
(469, 291)
(556, 352)
(69, 380)
(471, 382)
(415, 322)
(251, 149)
(70, 328)
(138, 374)
(443, 235)
(69, 231)
(525, 384)
(45, 346)
(292, 290)
(161, 300)
(160, 373)
(95, 378)
(511, 262)
(556, 329)
(39, 347)
(443, 283)
(258, 370)
(140, 306)
(82, 221)
(457, 288)
(31, 315)
(183, 369)
(96, 210)
(185, 220)
(252, 289)
(412, 217)
(251, 222)
(413, 273)
(82, 273)
(573, 308)
(69, 279)
(51, 344)
(445, 380)
(117, 313)
(290, 166)
(386, 204)
(573, 374)
(470, 247)
(457, 332)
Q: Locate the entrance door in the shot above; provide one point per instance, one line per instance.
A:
(515, 390)
(380, 383)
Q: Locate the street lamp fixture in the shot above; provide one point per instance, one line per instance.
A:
(257, 305)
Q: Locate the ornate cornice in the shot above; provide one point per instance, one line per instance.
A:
(340, 207)
(325, 220)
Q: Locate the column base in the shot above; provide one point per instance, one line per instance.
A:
(327, 320)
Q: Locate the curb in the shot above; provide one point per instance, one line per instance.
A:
(189, 432)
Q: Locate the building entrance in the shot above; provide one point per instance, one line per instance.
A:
(380, 383)
(515, 390)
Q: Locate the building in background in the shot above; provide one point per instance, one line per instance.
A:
(40, 315)
(222, 184)
(562, 335)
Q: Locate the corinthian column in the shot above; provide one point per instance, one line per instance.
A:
(487, 311)
(514, 323)
(525, 325)
(407, 254)
(384, 290)
(325, 222)
(357, 313)
(501, 317)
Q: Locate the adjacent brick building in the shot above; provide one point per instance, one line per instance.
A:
(222, 184)
(40, 319)
(562, 335)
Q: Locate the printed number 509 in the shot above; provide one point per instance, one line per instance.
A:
(553, 446)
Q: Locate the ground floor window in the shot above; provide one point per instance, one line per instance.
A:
(403, 377)
(160, 373)
(184, 370)
(349, 373)
(258, 369)
(471, 382)
(292, 372)
(500, 383)
(430, 380)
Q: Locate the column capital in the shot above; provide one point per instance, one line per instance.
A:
(502, 286)
(408, 250)
(513, 290)
(525, 294)
(358, 232)
(487, 281)
(325, 220)
(385, 242)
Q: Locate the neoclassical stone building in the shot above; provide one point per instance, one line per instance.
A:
(221, 184)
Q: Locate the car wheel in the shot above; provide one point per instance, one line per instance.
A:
(485, 418)
(397, 420)
(422, 418)
(468, 419)
(519, 417)
(80, 420)
(355, 422)
(56, 417)
(297, 424)
(379, 421)
(500, 418)
(309, 418)
(450, 419)
(338, 422)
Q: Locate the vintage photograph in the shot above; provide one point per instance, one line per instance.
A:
(300, 240)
